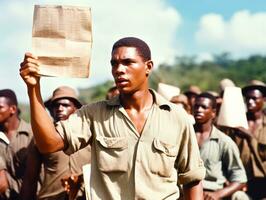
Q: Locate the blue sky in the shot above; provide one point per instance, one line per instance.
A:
(171, 28)
(191, 12)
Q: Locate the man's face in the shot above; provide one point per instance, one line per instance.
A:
(203, 111)
(254, 100)
(62, 108)
(6, 110)
(129, 70)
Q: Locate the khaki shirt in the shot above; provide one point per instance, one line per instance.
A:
(253, 152)
(58, 165)
(126, 165)
(15, 157)
(222, 161)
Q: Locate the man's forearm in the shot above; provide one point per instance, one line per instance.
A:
(230, 189)
(46, 137)
(193, 191)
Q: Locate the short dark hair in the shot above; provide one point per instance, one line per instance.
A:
(209, 96)
(10, 95)
(141, 46)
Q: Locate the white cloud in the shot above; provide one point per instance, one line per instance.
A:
(152, 20)
(204, 56)
(243, 34)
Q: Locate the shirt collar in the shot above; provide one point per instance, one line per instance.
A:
(158, 100)
(214, 135)
(3, 137)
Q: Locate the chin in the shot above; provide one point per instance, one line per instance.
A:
(124, 90)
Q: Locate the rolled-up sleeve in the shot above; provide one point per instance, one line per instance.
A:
(233, 164)
(189, 164)
(75, 131)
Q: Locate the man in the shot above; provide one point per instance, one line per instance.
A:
(57, 165)
(16, 136)
(225, 174)
(252, 142)
(141, 144)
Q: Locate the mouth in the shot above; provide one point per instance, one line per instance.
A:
(121, 81)
(60, 116)
(198, 115)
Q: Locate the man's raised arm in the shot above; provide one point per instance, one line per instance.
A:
(46, 137)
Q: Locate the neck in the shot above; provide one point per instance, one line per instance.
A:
(204, 128)
(138, 100)
(254, 116)
(10, 126)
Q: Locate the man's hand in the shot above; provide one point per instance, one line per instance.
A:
(3, 182)
(72, 184)
(210, 196)
(29, 70)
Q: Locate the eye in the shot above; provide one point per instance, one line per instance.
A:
(128, 62)
(113, 63)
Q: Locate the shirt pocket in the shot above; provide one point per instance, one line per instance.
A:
(112, 154)
(163, 159)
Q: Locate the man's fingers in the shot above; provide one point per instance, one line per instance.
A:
(29, 61)
(29, 69)
(29, 55)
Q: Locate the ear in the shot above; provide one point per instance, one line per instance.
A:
(13, 109)
(149, 66)
(214, 113)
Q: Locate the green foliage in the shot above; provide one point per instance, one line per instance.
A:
(185, 72)
(24, 112)
(95, 93)
(207, 75)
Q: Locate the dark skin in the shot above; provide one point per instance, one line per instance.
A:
(255, 101)
(9, 123)
(130, 72)
(204, 114)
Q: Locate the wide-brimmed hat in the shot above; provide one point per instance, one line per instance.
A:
(255, 85)
(168, 91)
(226, 82)
(193, 89)
(63, 92)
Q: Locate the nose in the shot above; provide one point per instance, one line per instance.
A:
(250, 101)
(60, 107)
(198, 109)
(120, 68)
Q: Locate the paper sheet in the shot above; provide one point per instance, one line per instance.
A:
(62, 40)
(233, 110)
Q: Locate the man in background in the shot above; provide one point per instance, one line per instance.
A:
(252, 142)
(225, 174)
(16, 136)
(58, 167)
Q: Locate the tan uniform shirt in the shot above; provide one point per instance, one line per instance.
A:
(128, 166)
(15, 157)
(58, 165)
(253, 153)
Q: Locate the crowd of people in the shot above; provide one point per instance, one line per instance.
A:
(139, 144)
